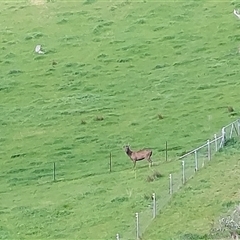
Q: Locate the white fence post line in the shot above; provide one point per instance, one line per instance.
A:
(216, 144)
(220, 141)
(170, 184)
(183, 172)
(137, 226)
(154, 205)
(209, 149)
(196, 160)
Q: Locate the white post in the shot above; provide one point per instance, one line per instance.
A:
(196, 160)
(154, 205)
(216, 144)
(223, 137)
(170, 184)
(118, 236)
(238, 126)
(137, 226)
(183, 172)
(231, 131)
(209, 149)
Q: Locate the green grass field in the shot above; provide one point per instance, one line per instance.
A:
(118, 65)
(201, 202)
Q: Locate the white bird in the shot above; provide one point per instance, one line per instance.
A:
(236, 13)
(38, 49)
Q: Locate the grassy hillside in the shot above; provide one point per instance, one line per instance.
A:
(195, 210)
(108, 70)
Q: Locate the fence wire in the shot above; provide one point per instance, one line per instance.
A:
(191, 162)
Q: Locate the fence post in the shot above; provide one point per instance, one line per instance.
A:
(196, 160)
(118, 236)
(203, 163)
(137, 226)
(183, 172)
(166, 151)
(154, 205)
(54, 172)
(223, 137)
(110, 162)
(209, 149)
(170, 184)
(216, 144)
(238, 126)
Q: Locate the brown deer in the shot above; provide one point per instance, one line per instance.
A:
(139, 155)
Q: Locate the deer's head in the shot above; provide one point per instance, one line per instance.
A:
(126, 148)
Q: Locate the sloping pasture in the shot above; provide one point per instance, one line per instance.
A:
(109, 69)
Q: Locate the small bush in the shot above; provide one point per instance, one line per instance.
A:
(193, 236)
(147, 196)
(160, 117)
(159, 66)
(154, 176)
(34, 35)
(119, 199)
(141, 21)
(157, 174)
(54, 63)
(230, 109)
(83, 122)
(99, 118)
(150, 178)
(230, 223)
(124, 60)
(14, 71)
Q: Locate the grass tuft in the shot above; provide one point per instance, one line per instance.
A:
(157, 174)
(150, 178)
(99, 118)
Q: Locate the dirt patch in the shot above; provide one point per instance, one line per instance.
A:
(37, 2)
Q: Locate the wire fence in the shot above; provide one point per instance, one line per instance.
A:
(191, 162)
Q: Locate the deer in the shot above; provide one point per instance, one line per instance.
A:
(139, 155)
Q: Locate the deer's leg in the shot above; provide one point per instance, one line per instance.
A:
(134, 164)
(149, 162)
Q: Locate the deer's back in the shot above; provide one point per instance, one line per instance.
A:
(141, 154)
